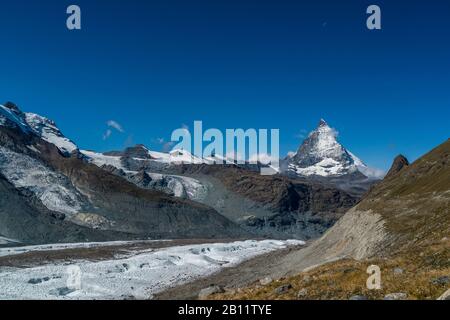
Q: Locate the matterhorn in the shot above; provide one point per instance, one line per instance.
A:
(321, 155)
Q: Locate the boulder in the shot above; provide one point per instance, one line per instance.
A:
(212, 289)
(396, 296)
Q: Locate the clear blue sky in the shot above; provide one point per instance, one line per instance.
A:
(155, 65)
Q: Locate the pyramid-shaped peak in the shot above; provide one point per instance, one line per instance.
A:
(323, 123)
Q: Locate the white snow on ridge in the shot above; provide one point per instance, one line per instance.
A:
(327, 144)
(99, 159)
(53, 189)
(43, 127)
(49, 132)
(8, 114)
(139, 276)
(176, 157)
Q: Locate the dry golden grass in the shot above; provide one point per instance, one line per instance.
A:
(346, 278)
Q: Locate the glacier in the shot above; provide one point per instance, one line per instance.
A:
(53, 189)
(138, 275)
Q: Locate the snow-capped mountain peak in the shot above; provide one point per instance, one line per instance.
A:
(10, 115)
(323, 123)
(49, 132)
(322, 155)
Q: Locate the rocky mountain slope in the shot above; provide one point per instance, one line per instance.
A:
(53, 194)
(274, 206)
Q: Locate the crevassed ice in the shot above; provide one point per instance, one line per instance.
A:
(140, 275)
(54, 190)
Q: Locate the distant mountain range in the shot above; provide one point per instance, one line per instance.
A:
(53, 191)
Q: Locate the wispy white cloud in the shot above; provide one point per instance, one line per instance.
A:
(372, 172)
(115, 125)
(107, 134)
(263, 158)
(112, 124)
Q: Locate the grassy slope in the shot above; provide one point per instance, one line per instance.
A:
(415, 203)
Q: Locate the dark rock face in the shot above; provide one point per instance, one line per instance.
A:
(114, 170)
(12, 106)
(141, 179)
(399, 163)
(138, 151)
(298, 208)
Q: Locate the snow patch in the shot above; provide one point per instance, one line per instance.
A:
(100, 159)
(176, 157)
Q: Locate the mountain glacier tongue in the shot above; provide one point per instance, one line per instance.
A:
(55, 190)
(322, 155)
